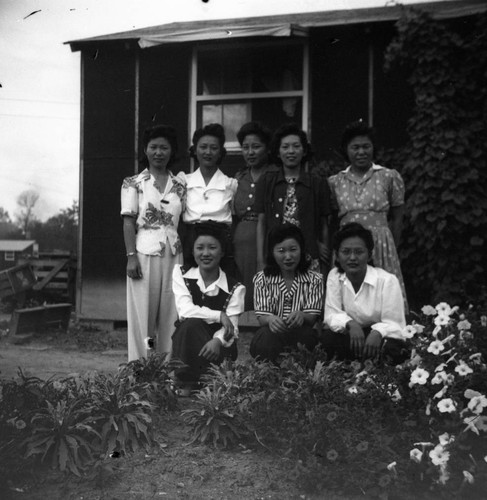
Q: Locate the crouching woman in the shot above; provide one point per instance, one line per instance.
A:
(208, 303)
(288, 297)
(364, 307)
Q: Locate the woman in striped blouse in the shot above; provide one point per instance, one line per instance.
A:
(288, 297)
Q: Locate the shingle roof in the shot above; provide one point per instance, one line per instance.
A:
(15, 245)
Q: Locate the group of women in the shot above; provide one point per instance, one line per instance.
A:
(269, 228)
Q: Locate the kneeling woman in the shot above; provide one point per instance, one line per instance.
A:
(208, 303)
(288, 297)
(364, 305)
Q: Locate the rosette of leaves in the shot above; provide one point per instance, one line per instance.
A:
(215, 419)
(153, 375)
(62, 434)
(121, 414)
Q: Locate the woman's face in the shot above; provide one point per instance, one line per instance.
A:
(208, 151)
(158, 152)
(287, 255)
(360, 151)
(207, 252)
(254, 151)
(353, 256)
(291, 151)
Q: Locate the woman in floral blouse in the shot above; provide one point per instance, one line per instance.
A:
(152, 202)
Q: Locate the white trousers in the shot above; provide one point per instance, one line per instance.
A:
(151, 309)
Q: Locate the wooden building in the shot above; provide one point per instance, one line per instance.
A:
(320, 69)
(12, 251)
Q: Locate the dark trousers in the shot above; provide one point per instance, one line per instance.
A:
(267, 346)
(337, 345)
(188, 340)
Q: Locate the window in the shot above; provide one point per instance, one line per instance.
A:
(262, 81)
(10, 256)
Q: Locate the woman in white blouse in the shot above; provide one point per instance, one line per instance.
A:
(210, 192)
(208, 303)
(364, 306)
(152, 202)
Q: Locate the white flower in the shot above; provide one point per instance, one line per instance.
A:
(483, 320)
(477, 404)
(409, 332)
(439, 455)
(353, 389)
(446, 405)
(450, 379)
(441, 393)
(396, 396)
(439, 378)
(444, 309)
(436, 331)
(442, 320)
(392, 467)
(463, 369)
(419, 328)
(416, 455)
(470, 393)
(444, 474)
(481, 423)
(476, 358)
(470, 421)
(436, 347)
(441, 367)
(445, 439)
(464, 325)
(429, 311)
(418, 376)
(468, 477)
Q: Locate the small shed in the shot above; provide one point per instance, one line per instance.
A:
(12, 251)
(320, 69)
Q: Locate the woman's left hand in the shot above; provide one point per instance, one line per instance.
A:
(372, 344)
(211, 350)
(295, 319)
(227, 325)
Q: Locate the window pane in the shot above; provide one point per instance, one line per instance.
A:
(250, 69)
(232, 115)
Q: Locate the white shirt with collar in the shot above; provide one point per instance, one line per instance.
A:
(212, 201)
(378, 304)
(187, 309)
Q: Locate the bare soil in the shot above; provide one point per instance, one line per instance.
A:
(173, 468)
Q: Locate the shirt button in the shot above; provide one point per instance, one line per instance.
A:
(277, 216)
(249, 208)
(280, 200)
(252, 185)
(251, 195)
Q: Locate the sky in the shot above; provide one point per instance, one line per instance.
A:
(40, 79)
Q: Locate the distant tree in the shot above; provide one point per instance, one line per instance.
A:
(59, 232)
(4, 216)
(26, 202)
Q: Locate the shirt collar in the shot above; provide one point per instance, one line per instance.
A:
(196, 180)
(221, 282)
(370, 277)
(302, 179)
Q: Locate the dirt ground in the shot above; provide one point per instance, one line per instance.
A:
(173, 469)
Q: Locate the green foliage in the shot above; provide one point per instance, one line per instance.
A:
(62, 435)
(446, 169)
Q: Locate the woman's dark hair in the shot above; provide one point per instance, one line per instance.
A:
(254, 128)
(356, 129)
(284, 131)
(277, 235)
(353, 230)
(156, 131)
(213, 129)
(208, 228)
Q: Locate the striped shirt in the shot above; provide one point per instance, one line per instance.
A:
(271, 295)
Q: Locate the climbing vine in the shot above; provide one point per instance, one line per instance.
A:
(445, 239)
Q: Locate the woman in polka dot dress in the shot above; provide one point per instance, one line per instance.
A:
(370, 195)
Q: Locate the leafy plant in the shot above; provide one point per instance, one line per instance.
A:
(61, 433)
(446, 169)
(214, 419)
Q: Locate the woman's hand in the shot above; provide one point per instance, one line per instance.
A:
(357, 338)
(211, 350)
(295, 319)
(133, 267)
(372, 344)
(277, 325)
(227, 325)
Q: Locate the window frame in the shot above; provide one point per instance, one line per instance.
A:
(195, 99)
(9, 256)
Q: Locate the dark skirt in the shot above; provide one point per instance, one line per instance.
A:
(267, 346)
(245, 247)
(188, 340)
